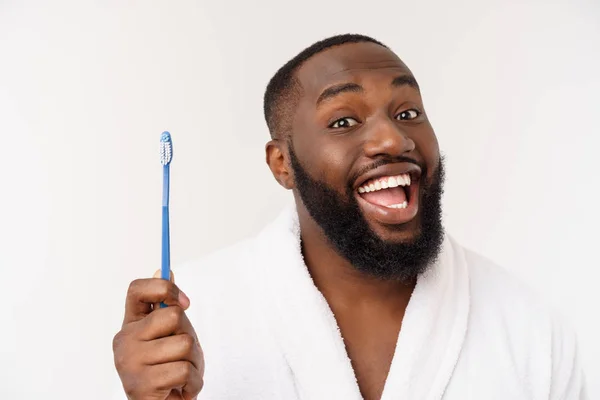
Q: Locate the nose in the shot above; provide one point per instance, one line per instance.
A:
(386, 138)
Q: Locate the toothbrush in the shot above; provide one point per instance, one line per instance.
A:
(166, 155)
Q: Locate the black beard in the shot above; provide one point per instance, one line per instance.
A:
(345, 227)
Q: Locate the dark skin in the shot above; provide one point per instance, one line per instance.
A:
(375, 111)
(157, 354)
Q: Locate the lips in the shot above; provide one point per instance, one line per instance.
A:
(389, 194)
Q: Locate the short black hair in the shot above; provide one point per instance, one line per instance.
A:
(283, 89)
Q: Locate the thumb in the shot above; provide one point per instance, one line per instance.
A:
(157, 274)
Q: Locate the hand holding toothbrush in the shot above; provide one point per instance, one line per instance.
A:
(157, 353)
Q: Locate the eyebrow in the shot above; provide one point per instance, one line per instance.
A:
(335, 90)
(332, 91)
(406, 80)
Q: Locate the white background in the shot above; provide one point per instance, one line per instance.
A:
(86, 88)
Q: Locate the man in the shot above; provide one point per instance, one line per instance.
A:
(356, 292)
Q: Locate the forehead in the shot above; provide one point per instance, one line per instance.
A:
(352, 62)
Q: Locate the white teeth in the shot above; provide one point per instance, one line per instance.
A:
(401, 205)
(385, 183)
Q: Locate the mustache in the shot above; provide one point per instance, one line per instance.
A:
(384, 160)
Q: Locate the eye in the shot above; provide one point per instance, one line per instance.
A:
(408, 115)
(345, 122)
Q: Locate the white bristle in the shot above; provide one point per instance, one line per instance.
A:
(166, 152)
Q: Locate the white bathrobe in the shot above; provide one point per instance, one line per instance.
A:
(470, 331)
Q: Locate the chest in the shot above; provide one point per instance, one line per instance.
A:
(370, 346)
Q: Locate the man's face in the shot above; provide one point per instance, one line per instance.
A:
(366, 160)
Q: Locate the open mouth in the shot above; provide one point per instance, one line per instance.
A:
(390, 199)
(387, 191)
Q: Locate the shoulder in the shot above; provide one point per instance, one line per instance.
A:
(495, 288)
(539, 338)
(499, 302)
(215, 270)
(220, 288)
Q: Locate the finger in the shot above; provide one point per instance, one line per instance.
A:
(165, 322)
(143, 293)
(175, 395)
(181, 347)
(177, 375)
(158, 274)
(193, 387)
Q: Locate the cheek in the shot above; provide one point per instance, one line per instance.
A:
(328, 161)
(333, 162)
(427, 146)
(325, 158)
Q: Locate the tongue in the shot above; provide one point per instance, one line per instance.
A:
(386, 197)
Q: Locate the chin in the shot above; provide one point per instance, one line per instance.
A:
(405, 233)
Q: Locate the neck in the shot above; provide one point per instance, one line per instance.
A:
(340, 283)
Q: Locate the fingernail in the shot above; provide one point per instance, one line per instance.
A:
(183, 300)
(158, 274)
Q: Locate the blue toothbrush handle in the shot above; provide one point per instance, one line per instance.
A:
(165, 269)
(165, 272)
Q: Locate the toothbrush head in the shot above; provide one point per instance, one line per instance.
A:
(166, 148)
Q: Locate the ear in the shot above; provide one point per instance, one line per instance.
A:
(278, 161)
